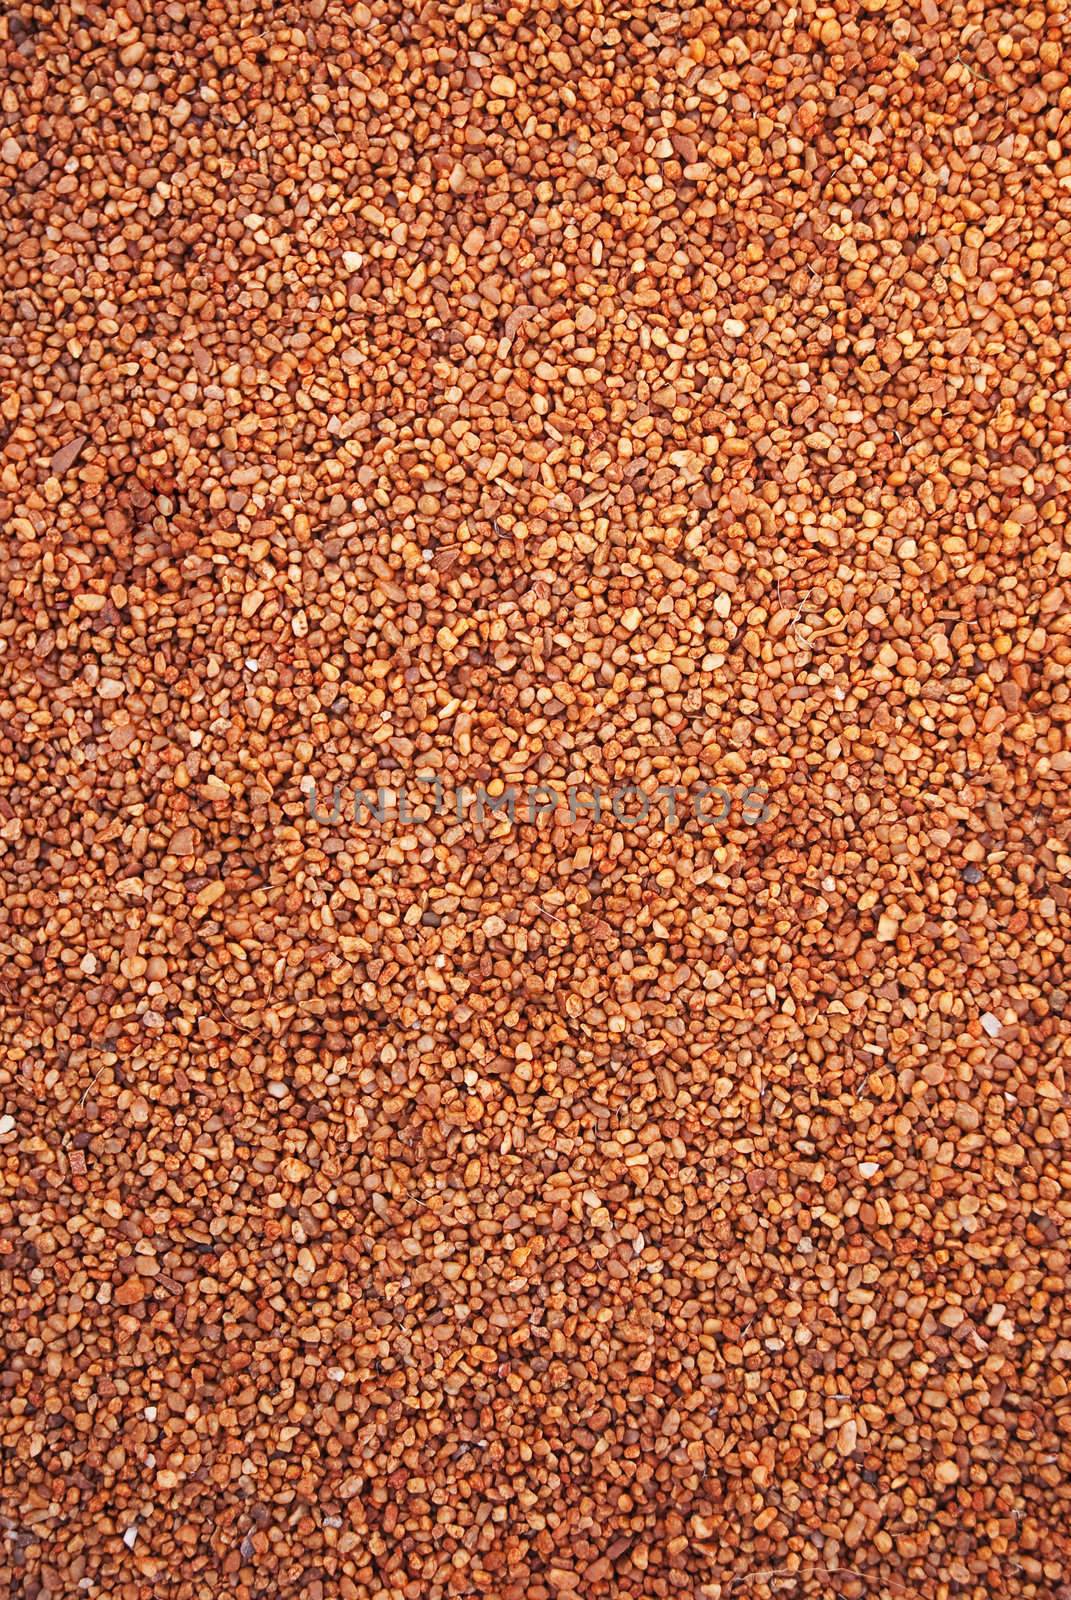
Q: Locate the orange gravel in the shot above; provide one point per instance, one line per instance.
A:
(618, 1202)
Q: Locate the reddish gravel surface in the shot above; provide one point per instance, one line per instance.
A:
(605, 1205)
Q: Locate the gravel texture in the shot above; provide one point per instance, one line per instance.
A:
(592, 1207)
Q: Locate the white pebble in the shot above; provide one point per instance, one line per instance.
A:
(735, 329)
(868, 1168)
(130, 1538)
(352, 260)
(150, 1413)
(990, 1023)
(6, 1123)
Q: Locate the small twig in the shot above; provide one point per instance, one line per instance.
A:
(65, 1142)
(797, 619)
(96, 1075)
(231, 1020)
